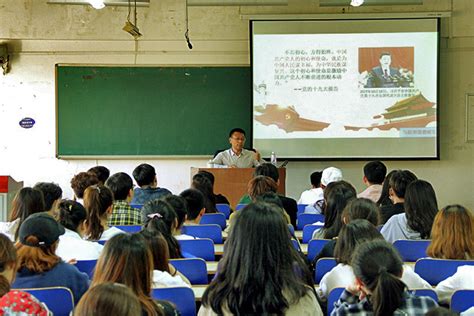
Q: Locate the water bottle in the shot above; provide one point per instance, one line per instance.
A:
(273, 159)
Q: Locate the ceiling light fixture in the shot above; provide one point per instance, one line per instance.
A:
(357, 3)
(97, 4)
(129, 27)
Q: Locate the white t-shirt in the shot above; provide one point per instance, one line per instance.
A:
(397, 228)
(111, 232)
(72, 246)
(342, 275)
(164, 279)
(463, 279)
(311, 196)
(9, 228)
(184, 237)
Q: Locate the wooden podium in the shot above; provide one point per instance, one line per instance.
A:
(8, 189)
(232, 182)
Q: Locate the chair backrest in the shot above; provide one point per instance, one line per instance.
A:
(411, 250)
(426, 292)
(296, 245)
(130, 228)
(202, 248)
(87, 266)
(102, 242)
(215, 218)
(182, 297)
(139, 206)
(291, 229)
(462, 300)
(224, 209)
(437, 270)
(240, 206)
(305, 219)
(301, 208)
(211, 231)
(59, 300)
(308, 231)
(333, 297)
(323, 266)
(192, 268)
(315, 246)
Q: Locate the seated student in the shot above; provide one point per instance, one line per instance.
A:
(80, 182)
(378, 270)
(315, 193)
(26, 202)
(195, 201)
(102, 173)
(164, 274)
(126, 259)
(220, 199)
(399, 181)
(374, 175)
(336, 196)
(159, 216)
(14, 302)
(359, 208)
(289, 204)
(72, 216)
(98, 201)
(108, 299)
(329, 175)
(52, 194)
(202, 183)
(261, 185)
(39, 266)
(357, 232)
(145, 176)
(384, 199)
(420, 210)
(248, 283)
(180, 207)
(121, 185)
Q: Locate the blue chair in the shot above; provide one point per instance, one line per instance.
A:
(182, 297)
(224, 209)
(437, 270)
(426, 292)
(308, 231)
(240, 206)
(411, 250)
(462, 300)
(333, 297)
(323, 266)
(194, 269)
(86, 266)
(202, 248)
(291, 229)
(215, 218)
(59, 300)
(139, 206)
(301, 208)
(306, 219)
(130, 228)
(102, 242)
(315, 246)
(211, 231)
(296, 245)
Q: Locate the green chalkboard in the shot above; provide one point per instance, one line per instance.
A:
(149, 111)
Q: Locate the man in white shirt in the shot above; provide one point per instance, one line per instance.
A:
(374, 175)
(237, 156)
(314, 194)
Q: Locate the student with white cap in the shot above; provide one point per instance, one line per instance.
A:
(330, 174)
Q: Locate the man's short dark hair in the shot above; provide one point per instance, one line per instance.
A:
(315, 178)
(144, 174)
(179, 205)
(375, 172)
(120, 184)
(101, 172)
(81, 181)
(207, 175)
(51, 192)
(385, 54)
(400, 180)
(195, 200)
(267, 169)
(236, 130)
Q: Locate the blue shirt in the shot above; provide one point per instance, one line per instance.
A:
(141, 196)
(62, 274)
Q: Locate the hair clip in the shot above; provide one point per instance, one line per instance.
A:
(97, 188)
(155, 215)
(70, 207)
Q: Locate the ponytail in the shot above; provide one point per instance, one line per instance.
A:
(71, 214)
(97, 199)
(388, 294)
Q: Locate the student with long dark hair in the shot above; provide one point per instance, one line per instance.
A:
(72, 216)
(378, 289)
(180, 207)
(336, 196)
(26, 202)
(126, 259)
(202, 183)
(159, 216)
(98, 201)
(421, 207)
(261, 273)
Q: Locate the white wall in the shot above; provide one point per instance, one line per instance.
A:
(42, 35)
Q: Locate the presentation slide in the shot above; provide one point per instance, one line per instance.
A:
(346, 88)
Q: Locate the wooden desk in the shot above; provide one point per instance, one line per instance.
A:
(198, 291)
(211, 267)
(299, 234)
(219, 249)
